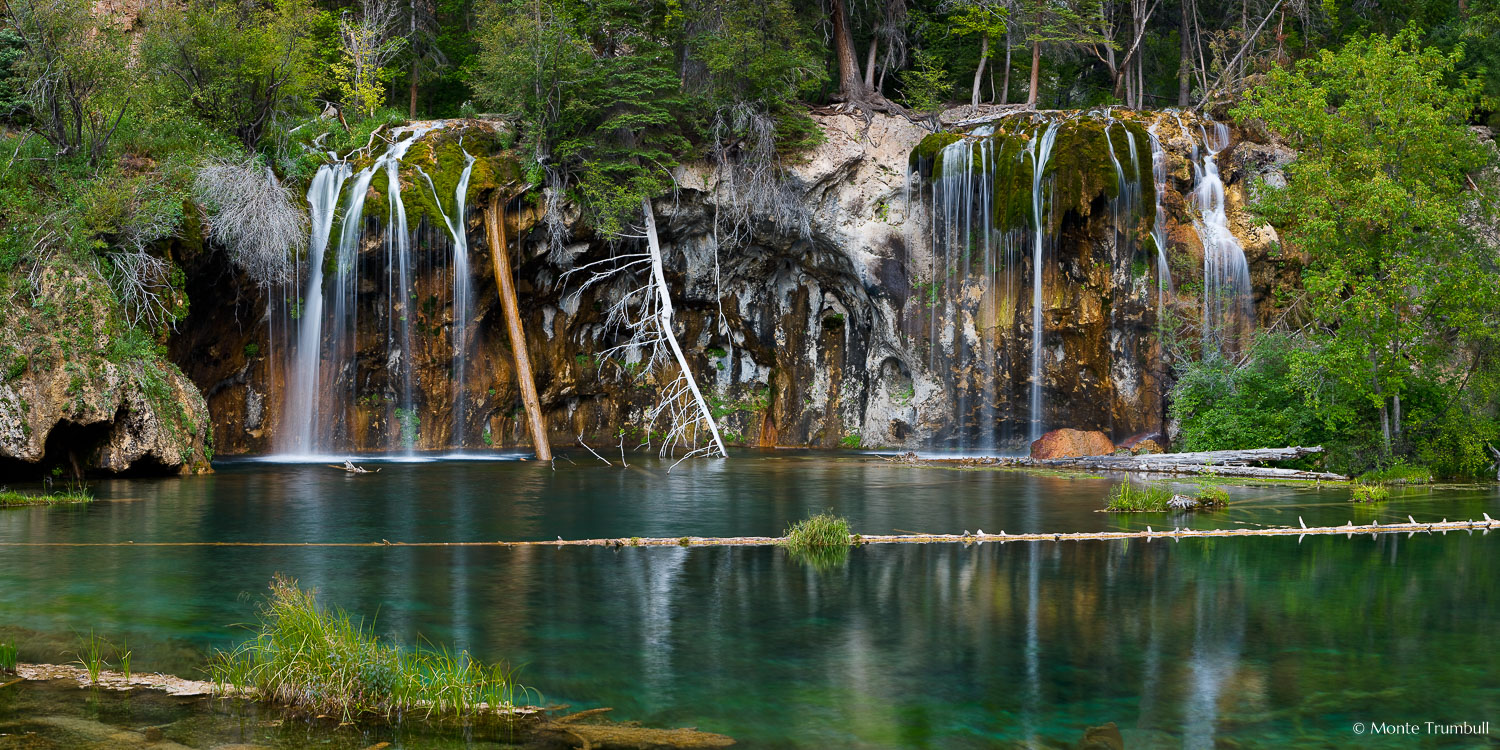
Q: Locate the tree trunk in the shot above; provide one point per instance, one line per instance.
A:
(1185, 64)
(870, 63)
(1036, 65)
(851, 86)
(494, 218)
(1005, 87)
(665, 318)
(412, 113)
(984, 54)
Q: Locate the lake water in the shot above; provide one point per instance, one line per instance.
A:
(1257, 642)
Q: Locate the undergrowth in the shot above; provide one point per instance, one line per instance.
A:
(1398, 474)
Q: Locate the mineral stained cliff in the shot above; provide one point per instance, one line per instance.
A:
(810, 333)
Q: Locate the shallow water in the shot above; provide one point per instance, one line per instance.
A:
(1259, 641)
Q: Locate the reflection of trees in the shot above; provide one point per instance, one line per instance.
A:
(902, 645)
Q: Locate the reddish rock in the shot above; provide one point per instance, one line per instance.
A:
(1146, 446)
(1069, 443)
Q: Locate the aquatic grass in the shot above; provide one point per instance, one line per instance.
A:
(90, 656)
(8, 656)
(1397, 474)
(1130, 497)
(12, 498)
(123, 654)
(1211, 496)
(1369, 493)
(820, 531)
(324, 661)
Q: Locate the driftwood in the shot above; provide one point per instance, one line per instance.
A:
(1215, 463)
(494, 217)
(352, 469)
(530, 724)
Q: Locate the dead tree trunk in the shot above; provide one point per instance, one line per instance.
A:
(494, 218)
(664, 317)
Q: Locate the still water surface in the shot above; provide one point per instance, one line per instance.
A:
(1258, 641)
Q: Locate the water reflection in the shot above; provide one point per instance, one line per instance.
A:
(1265, 641)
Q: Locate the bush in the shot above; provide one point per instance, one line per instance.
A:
(1223, 405)
(1369, 493)
(320, 660)
(1212, 497)
(820, 531)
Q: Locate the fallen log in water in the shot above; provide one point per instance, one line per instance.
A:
(1214, 463)
(1375, 527)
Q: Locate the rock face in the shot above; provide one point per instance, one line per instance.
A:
(77, 395)
(814, 330)
(1071, 443)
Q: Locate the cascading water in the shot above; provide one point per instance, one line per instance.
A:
(1000, 195)
(463, 302)
(1228, 307)
(1159, 229)
(328, 408)
(299, 431)
(1040, 150)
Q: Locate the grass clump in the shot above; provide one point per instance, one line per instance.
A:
(323, 661)
(1129, 497)
(8, 656)
(90, 656)
(1210, 496)
(821, 531)
(1369, 493)
(11, 498)
(1398, 474)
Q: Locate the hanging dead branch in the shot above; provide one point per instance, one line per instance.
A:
(253, 217)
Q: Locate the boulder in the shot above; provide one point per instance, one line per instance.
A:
(1071, 443)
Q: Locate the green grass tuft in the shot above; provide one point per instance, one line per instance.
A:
(323, 661)
(1369, 493)
(1129, 497)
(90, 656)
(821, 531)
(11, 498)
(1398, 474)
(1210, 496)
(7, 656)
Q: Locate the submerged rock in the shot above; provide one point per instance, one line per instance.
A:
(1071, 443)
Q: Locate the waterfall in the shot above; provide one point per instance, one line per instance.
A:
(299, 430)
(999, 194)
(329, 332)
(463, 302)
(1040, 150)
(1228, 308)
(1159, 229)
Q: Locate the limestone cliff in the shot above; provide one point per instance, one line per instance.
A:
(80, 394)
(808, 335)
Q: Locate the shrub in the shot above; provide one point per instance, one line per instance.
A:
(1369, 493)
(821, 531)
(1212, 497)
(322, 661)
(252, 216)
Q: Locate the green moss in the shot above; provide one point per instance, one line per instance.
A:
(926, 152)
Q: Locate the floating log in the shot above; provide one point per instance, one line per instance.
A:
(494, 218)
(352, 469)
(1410, 527)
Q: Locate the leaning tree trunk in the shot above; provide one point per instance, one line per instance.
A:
(984, 53)
(664, 318)
(1185, 64)
(1005, 87)
(494, 217)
